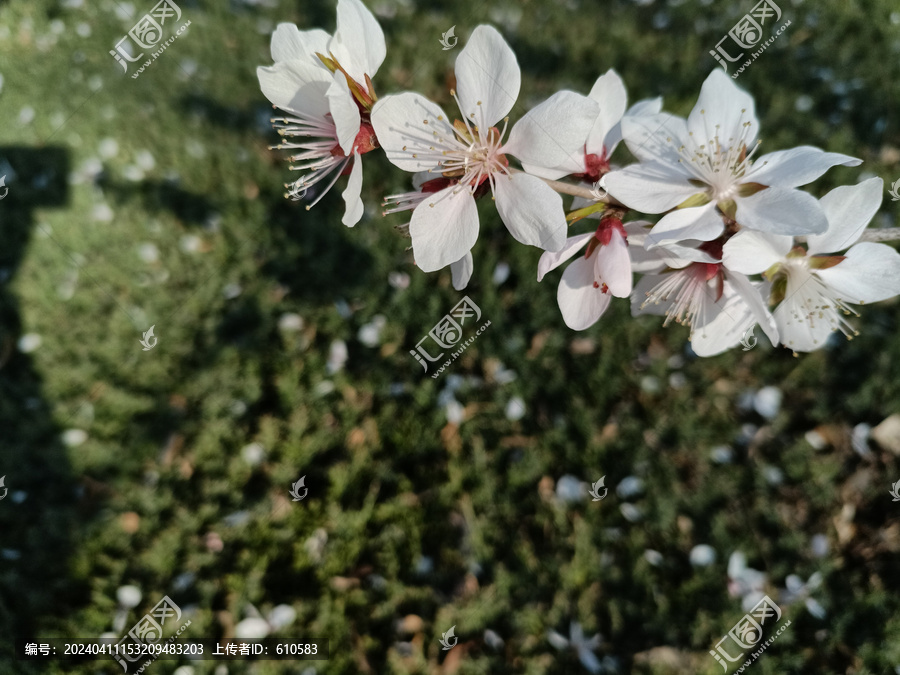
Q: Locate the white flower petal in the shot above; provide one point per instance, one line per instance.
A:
(487, 78)
(849, 209)
(869, 273)
(443, 233)
(461, 271)
(580, 303)
(723, 111)
(795, 167)
(657, 138)
(531, 211)
(351, 194)
(723, 326)
(609, 92)
(639, 296)
(398, 121)
(682, 254)
(614, 266)
(549, 139)
(750, 252)
(649, 187)
(550, 260)
(358, 42)
(649, 106)
(755, 296)
(800, 330)
(344, 112)
(815, 608)
(696, 222)
(289, 43)
(781, 211)
(296, 86)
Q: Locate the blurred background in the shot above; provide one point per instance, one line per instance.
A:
(283, 352)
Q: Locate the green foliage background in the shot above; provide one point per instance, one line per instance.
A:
(390, 480)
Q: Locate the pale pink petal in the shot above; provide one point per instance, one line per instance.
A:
(443, 228)
(531, 211)
(750, 252)
(795, 167)
(781, 211)
(351, 194)
(614, 266)
(399, 123)
(487, 78)
(296, 86)
(290, 43)
(697, 222)
(550, 260)
(549, 139)
(682, 254)
(344, 112)
(649, 187)
(579, 301)
(609, 92)
(461, 271)
(849, 209)
(358, 42)
(657, 138)
(722, 112)
(869, 273)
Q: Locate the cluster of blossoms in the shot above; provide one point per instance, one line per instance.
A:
(736, 243)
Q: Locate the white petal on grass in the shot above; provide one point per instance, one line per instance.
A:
(253, 453)
(702, 555)
(72, 438)
(515, 409)
(487, 77)
(128, 596)
(767, 402)
(29, 343)
(570, 490)
(337, 356)
(252, 629)
(501, 273)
